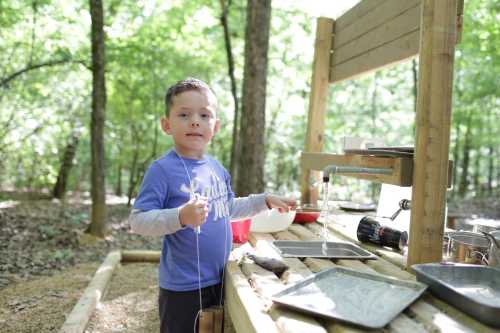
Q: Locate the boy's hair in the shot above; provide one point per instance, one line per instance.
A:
(182, 86)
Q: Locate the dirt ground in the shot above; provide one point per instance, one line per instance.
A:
(130, 304)
(46, 262)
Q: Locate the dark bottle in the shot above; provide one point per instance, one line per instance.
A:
(369, 230)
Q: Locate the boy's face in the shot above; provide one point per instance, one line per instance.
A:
(192, 122)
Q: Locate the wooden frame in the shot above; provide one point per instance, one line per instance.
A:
(372, 35)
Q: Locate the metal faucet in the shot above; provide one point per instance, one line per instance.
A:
(404, 204)
(333, 169)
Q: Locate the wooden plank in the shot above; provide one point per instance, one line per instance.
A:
(433, 314)
(245, 308)
(297, 271)
(317, 103)
(388, 31)
(332, 326)
(435, 308)
(267, 284)
(432, 131)
(348, 231)
(402, 323)
(79, 317)
(373, 19)
(437, 320)
(430, 317)
(357, 13)
(402, 166)
(401, 49)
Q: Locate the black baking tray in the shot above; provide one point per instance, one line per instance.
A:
(334, 250)
(361, 298)
(474, 289)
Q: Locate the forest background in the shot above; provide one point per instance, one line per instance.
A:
(46, 107)
(45, 93)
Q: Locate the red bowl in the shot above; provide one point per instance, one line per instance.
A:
(305, 217)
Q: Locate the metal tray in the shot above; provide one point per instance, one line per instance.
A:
(334, 250)
(472, 288)
(379, 152)
(365, 299)
(406, 149)
(357, 207)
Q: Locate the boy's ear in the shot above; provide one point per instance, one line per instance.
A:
(165, 125)
(217, 125)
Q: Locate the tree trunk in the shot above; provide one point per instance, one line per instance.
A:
(477, 162)
(464, 181)
(230, 62)
(491, 154)
(138, 169)
(59, 190)
(98, 222)
(82, 177)
(118, 190)
(253, 118)
(477, 172)
(456, 151)
(132, 178)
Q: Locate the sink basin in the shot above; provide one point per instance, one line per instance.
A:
(472, 288)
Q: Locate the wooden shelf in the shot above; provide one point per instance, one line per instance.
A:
(402, 166)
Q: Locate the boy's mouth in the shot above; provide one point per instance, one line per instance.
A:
(194, 134)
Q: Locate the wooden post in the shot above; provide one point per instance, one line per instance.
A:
(430, 175)
(317, 103)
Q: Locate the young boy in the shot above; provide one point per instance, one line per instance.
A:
(186, 197)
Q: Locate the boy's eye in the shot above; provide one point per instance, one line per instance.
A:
(205, 115)
(182, 115)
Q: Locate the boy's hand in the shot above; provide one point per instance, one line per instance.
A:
(282, 204)
(194, 212)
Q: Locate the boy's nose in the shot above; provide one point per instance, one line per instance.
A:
(195, 121)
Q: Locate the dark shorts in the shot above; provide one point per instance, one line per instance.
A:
(179, 309)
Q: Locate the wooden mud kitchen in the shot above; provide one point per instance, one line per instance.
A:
(371, 35)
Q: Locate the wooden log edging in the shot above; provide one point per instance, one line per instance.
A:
(140, 256)
(79, 317)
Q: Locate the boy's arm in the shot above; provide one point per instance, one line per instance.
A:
(245, 207)
(255, 203)
(156, 222)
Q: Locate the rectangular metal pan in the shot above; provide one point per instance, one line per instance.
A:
(472, 288)
(365, 299)
(334, 250)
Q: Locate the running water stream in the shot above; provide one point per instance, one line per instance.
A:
(324, 216)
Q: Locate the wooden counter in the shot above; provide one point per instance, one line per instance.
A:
(249, 287)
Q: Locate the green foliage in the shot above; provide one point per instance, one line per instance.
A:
(152, 44)
(62, 255)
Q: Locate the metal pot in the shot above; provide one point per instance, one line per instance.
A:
(467, 247)
(494, 249)
(484, 225)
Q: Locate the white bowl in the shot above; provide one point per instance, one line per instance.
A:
(271, 221)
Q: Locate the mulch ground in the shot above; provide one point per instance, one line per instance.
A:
(47, 261)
